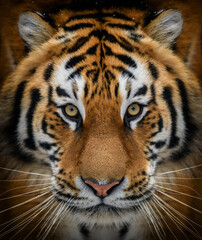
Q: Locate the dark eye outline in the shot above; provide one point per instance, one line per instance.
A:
(128, 117)
(77, 118)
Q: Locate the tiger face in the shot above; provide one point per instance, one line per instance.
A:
(103, 102)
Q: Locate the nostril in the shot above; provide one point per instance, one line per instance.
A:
(102, 190)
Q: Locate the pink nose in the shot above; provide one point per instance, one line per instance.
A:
(101, 190)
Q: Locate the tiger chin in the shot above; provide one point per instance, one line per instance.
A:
(105, 111)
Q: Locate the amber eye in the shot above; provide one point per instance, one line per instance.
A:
(71, 110)
(134, 109)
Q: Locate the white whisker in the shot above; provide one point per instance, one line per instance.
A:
(179, 201)
(177, 219)
(26, 186)
(22, 222)
(24, 180)
(47, 205)
(29, 219)
(29, 200)
(180, 170)
(19, 171)
(181, 193)
(180, 185)
(22, 194)
(170, 215)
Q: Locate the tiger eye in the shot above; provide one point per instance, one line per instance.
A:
(71, 110)
(134, 109)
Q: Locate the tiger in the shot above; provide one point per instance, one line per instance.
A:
(100, 128)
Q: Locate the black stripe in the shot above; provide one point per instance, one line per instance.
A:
(46, 145)
(61, 92)
(158, 144)
(72, 62)
(84, 231)
(97, 16)
(92, 50)
(76, 73)
(116, 89)
(11, 130)
(96, 75)
(79, 43)
(50, 94)
(136, 37)
(190, 128)
(35, 98)
(167, 95)
(127, 60)
(125, 44)
(153, 94)
(86, 90)
(124, 230)
(153, 70)
(141, 91)
(74, 92)
(48, 71)
(77, 27)
(121, 26)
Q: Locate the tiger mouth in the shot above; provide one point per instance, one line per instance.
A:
(106, 207)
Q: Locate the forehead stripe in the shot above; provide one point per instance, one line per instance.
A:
(77, 27)
(153, 70)
(141, 91)
(72, 62)
(48, 71)
(61, 92)
(97, 16)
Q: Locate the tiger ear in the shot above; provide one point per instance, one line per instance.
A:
(166, 27)
(33, 29)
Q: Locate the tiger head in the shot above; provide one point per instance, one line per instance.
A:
(102, 99)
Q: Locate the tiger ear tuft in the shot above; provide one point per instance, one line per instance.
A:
(33, 29)
(166, 27)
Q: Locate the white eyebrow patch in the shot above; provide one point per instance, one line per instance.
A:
(68, 90)
(129, 87)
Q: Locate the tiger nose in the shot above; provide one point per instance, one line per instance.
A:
(102, 190)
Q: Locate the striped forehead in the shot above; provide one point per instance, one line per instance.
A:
(68, 87)
(136, 87)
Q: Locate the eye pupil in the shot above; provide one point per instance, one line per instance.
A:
(134, 109)
(71, 110)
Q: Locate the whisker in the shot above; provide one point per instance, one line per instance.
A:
(29, 219)
(158, 220)
(155, 221)
(10, 222)
(54, 220)
(28, 179)
(47, 205)
(22, 222)
(19, 171)
(63, 214)
(178, 220)
(179, 178)
(179, 201)
(182, 193)
(42, 226)
(170, 215)
(152, 219)
(181, 185)
(26, 186)
(23, 194)
(179, 170)
(29, 200)
(48, 221)
(162, 217)
(180, 214)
